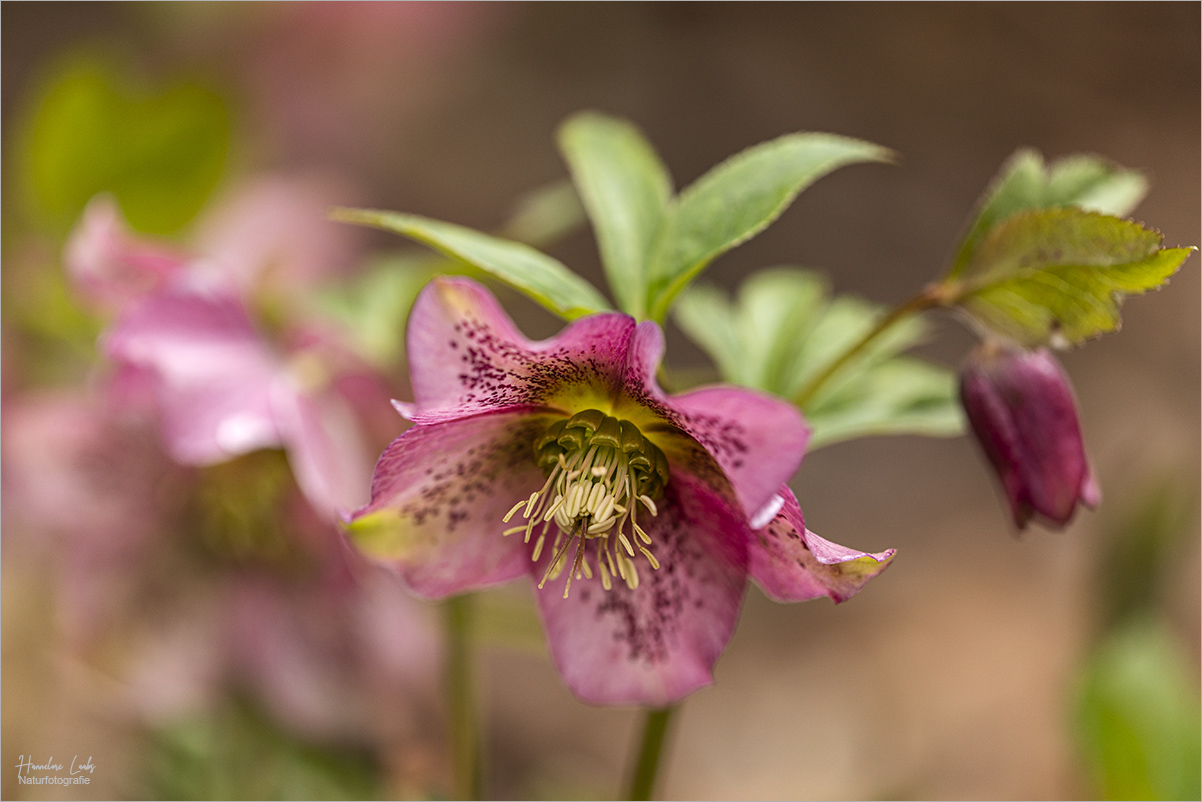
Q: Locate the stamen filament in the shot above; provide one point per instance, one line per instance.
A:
(509, 514)
(593, 486)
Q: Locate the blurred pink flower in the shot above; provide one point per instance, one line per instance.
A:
(343, 653)
(332, 646)
(210, 345)
(648, 502)
(92, 488)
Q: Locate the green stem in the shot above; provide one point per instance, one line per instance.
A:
(461, 702)
(934, 295)
(642, 780)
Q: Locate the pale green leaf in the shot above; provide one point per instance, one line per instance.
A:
(777, 309)
(1137, 716)
(840, 326)
(625, 188)
(736, 200)
(373, 308)
(540, 277)
(545, 215)
(1025, 183)
(704, 314)
(1059, 275)
(898, 396)
(784, 330)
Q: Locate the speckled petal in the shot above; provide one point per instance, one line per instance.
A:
(654, 645)
(791, 563)
(439, 494)
(756, 439)
(211, 372)
(466, 357)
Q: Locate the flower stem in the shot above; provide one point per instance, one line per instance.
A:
(642, 780)
(461, 702)
(934, 295)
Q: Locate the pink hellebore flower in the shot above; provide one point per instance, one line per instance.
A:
(635, 513)
(185, 342)
(1022, 410)
(92, 488)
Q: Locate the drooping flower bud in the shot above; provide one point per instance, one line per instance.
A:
(1022, 410)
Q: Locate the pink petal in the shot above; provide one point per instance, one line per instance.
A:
(213, 375)
(177, 666)
(325, 448)
(72, 468)
(110, 265)
(656, 644)
(439, 494)
(293, 647)
(758, 440)
(466, 357)
(274, 229)
(792, 563)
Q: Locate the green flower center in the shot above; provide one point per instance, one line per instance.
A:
(598, 469)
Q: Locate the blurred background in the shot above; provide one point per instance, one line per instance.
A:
(981, 665)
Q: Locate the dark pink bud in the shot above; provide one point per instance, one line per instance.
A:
(1022, 410)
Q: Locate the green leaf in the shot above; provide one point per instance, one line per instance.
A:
(235, 751)
(736, 200)
(545, 215)
(625, 188)
(1024, 183)
(1137, 716)
(537, 275)
(161, 153)
(898, 396)
(704, 313)
(784, 330)
(1059, 275)
(373, 308)
(838, 327)
(778, 308)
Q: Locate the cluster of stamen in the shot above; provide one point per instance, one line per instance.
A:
(599, 469)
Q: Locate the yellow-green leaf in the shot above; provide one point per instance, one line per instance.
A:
(1059, 275)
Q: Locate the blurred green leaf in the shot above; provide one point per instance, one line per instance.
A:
(373, 308)
(898, 396)
(1024, 183)
(545, 215)
(540, 277)
(1137, 716)
(160, 153)
(1059, 275)
(626, 189)
(736, 200)
(754, 341)
(784, 330)
(237, 753)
